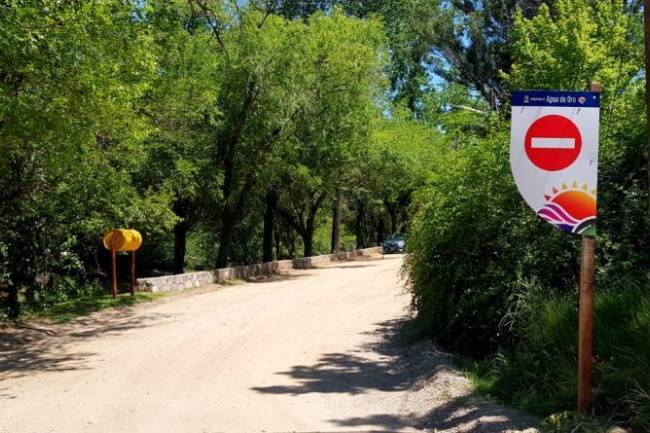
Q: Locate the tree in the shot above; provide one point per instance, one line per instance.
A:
(566, 47)
(69, 90)
(477, 254)
(182, 107)
(342, 70)
(401, 154)
(255, 55)
(602, 39)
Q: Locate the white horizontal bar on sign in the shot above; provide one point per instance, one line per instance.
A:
(553, 143)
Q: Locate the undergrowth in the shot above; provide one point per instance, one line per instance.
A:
(539, 375)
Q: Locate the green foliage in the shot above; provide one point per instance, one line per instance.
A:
(341, 73)
(474, 245)
(574, 42)
(200, 248)
(565, 47)
(571, 422)
(487, 276)
(69, 130)
(164, 115)
(539, 375)
(457, 113)
(400, 158)
(181, 105)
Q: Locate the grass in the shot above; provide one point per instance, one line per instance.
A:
(538, 376)
(66, 311)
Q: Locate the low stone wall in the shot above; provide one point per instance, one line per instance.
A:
(256, 270)
(310, 262)
(175, 283)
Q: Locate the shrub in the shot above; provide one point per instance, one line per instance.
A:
(540, 374)
(474, 245)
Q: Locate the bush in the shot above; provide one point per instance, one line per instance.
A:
(540, 374)
(571, 422)
(492, 281)
(473, 247)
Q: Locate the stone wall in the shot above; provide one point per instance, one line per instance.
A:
(175, 283)
(310, 262)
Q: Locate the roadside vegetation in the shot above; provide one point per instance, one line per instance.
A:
(492, 281)
(68, 310)
(232, 132)
(225, 132)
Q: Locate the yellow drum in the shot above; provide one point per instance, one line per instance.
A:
(122, 240)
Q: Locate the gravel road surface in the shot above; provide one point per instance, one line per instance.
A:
(319, 350)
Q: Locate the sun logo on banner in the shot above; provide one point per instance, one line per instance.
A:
(571, 209)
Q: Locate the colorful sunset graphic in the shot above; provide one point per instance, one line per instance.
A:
(570, 208)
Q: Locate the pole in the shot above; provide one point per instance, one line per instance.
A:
(646, 21)
(586, 310)
(132, 272)
(586, 323)
(114, 272)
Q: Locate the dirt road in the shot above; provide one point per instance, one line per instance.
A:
(319, 350)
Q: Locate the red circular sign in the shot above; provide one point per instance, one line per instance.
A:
(553, 142)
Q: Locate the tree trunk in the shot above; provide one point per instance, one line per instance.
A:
(646, 16)
(308, 235)
(308, 242)
(180, 246)
(393, 220)
(310, 225)
(227, 231)
(232, 211)
(380, 230)
(182, 209)
(292, 253)
(271, 202)
(336, 224)
(276, 236)
(12, 302)
(358, 226)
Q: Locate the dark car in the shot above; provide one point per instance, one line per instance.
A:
(394, 244)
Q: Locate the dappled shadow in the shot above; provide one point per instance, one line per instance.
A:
(337, 373)
(390, 363)
(278, 277)
(384, 421)
(476, 415)
(352, 265)
(25, 349)
(351, 373)
(467, 414)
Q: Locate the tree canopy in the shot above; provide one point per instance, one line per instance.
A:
(233, 132)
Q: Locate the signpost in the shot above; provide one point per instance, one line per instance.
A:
(122, 240)
(554, 161)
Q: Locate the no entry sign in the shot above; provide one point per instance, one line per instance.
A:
(554, 155)
(553, 142)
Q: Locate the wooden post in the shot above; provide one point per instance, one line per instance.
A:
(586, 322)
(133, 280)
(646, 20)
(586, 310)
(114, 271)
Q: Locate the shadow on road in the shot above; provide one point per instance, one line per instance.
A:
(459, 415)
(26, 349)
(278, 277)
(349, 373)
(351, 265)
(394, 364)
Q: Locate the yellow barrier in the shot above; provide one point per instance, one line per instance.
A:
(122, 240)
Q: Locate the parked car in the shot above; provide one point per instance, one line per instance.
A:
(394, 244)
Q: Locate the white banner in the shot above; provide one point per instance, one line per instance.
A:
(554, 155)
